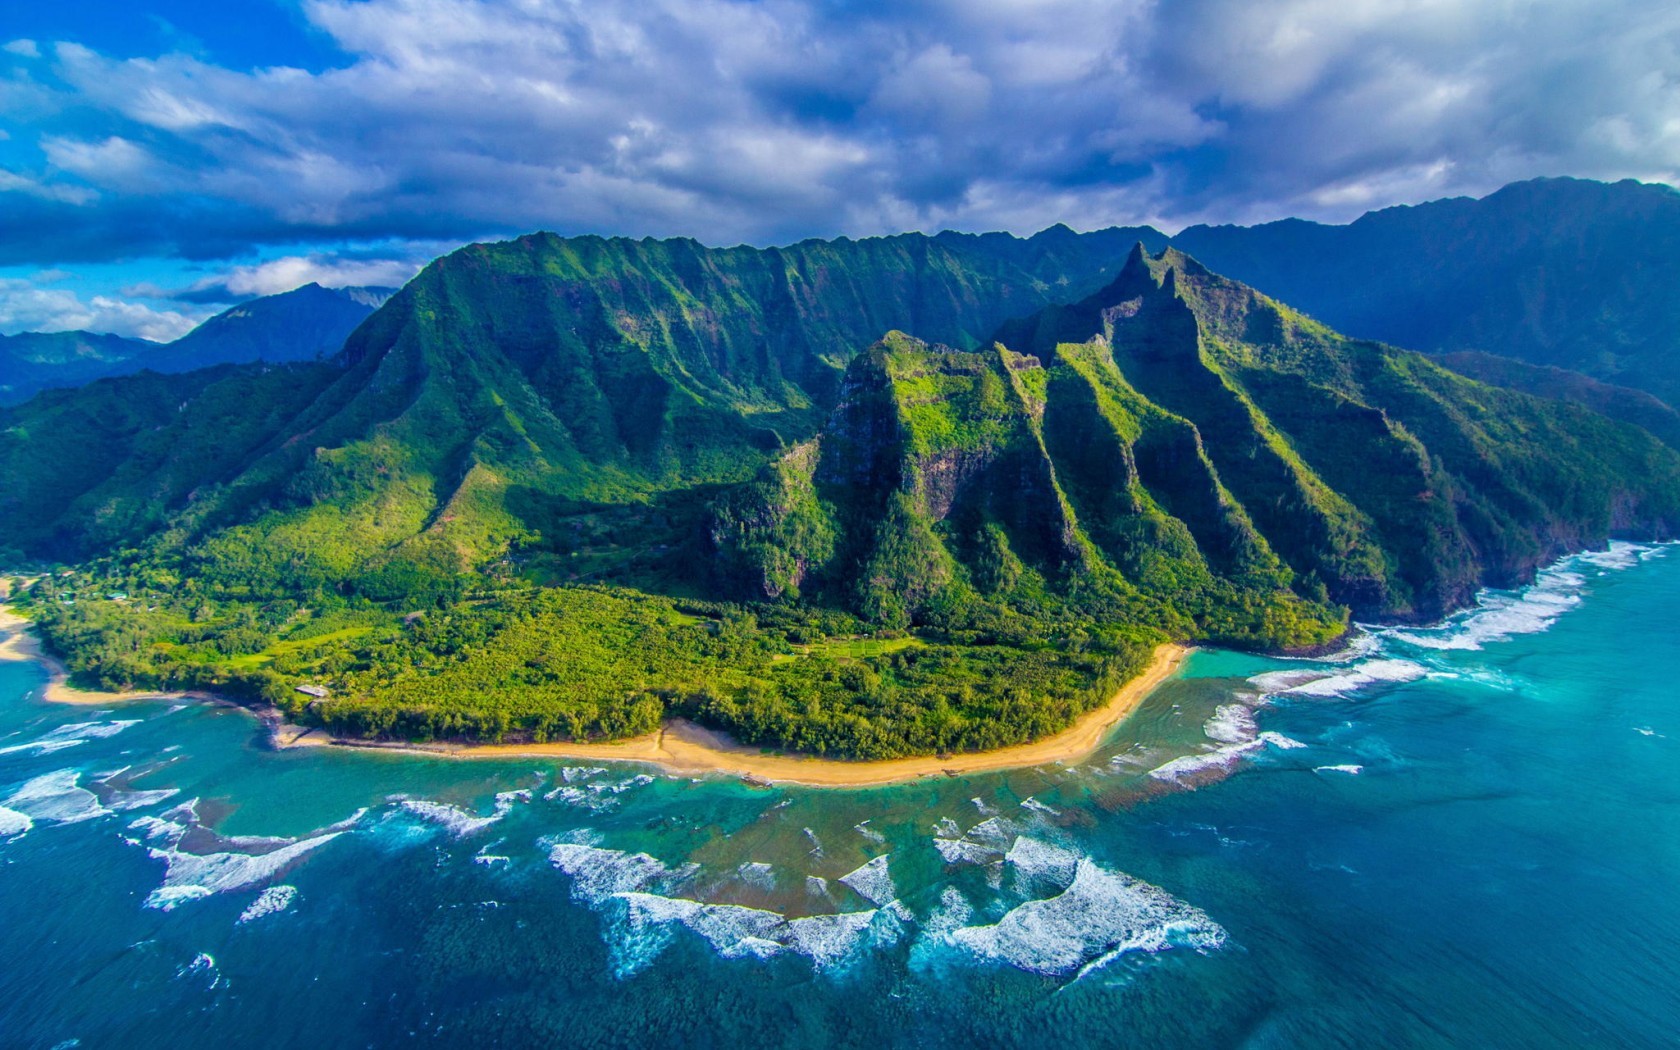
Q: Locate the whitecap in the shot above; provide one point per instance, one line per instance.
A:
(1360, 676)
(271, 901)
(192, 876)
(1350, 769)
(1100, 915)
(1038, 807)
(13, 823)
(57, 797)
(758, 874)
(626, 886)
(458, 821)
(962, 851)
(599, 873)
(1040, 866)
(872, 882)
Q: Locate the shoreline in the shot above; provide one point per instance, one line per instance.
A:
(684, 748)
(678, 747)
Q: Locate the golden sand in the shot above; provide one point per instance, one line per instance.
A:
(681, 746)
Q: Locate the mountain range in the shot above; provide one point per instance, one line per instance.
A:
(303, 324)
(545, 464)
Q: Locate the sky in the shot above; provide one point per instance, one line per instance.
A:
(163, 159)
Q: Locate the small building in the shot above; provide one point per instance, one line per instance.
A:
(316, 691)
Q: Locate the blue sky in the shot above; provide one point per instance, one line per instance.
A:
(160, 160)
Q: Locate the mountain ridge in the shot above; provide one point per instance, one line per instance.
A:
(564, 488)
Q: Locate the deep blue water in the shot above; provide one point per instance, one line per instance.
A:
(1468, 836)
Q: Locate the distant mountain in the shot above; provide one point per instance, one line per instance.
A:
(33, 361)
(1561, 272)
(304, 324)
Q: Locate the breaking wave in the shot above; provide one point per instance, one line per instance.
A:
(190, 876)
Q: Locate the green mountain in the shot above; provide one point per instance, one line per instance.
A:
(306, 324)
(1179, 443)
(1607, 399)
(563, 488)
(1566, 273)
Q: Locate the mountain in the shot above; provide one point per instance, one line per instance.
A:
(1187, 444)
(567, 487)
(304, 324)
(510, 383)
(1566, 273)
(34, 361)
(1617, 402)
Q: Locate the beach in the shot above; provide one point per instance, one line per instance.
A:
(18, 643)
(679, 746)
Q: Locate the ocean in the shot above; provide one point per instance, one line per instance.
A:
(1467, 835)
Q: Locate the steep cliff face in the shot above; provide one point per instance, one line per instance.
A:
(1397, 485)
(1184, 449)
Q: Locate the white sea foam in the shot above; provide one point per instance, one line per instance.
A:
(58, 798)
(1500, 615)
(996, 832)
(869, 833)
(947, 828)
(1101, 914)
(601, 873)
(1039, 866)
(736, 932)
(757, 874)
(458, 821)
(1234, 729)
(626, 886)
(271, 901)
(1038, 807)
(872, 881)
(191, 876)
(1360, 676)
(13, 823)
(1350, 770)
(1231, 724)
(962, 851)
(41, 747)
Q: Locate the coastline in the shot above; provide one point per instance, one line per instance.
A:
(679, 747)
(682, 747)
(20, 644)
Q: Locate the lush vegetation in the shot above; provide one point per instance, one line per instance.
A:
(564, 489)
(1562, 272)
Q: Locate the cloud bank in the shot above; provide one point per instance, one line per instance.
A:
(771, 120)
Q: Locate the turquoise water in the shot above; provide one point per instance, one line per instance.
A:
(1468, 836)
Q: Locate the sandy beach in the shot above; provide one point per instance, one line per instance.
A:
(18, 642)
(683, 747)
(679, 746)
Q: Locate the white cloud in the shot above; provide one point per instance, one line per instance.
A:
(784, 118)
(23, 47)
(294, 271)
(25, 306)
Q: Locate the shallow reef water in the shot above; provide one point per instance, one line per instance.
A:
(1466, 834)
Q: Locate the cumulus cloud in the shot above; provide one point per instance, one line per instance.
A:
(776, 119)
(31, 306)
(283, 274)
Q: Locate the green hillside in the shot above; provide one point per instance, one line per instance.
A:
(564, 488)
